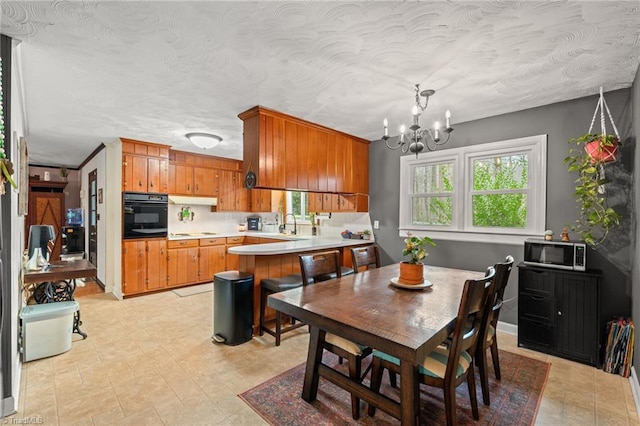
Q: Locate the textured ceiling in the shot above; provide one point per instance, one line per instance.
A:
(95, 71)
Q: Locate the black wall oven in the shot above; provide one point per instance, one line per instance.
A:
(144, 215)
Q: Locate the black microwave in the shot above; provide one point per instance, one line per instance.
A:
(555, 254)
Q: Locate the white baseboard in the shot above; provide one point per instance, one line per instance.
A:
(505, 327)
(635, 389)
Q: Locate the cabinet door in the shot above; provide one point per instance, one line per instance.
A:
(182, 266)
(163, 176)
(156, 264)
(127, 172)
(315, 201)
(204, 182)
(180, 179)
(260, 200)
(359, 181)
(577, 317)
(312, 159)
(153, 175)
(232, 260)
(241, 196)
(226, 198)
(291, 154)
(212, 261)
(139, 173)
(134, 267)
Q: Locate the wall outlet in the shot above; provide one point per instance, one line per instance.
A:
(376, 224)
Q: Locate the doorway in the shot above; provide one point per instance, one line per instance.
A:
(93, 217)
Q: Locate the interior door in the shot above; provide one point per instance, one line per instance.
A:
(93, 218)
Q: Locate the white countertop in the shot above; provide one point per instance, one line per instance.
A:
(198, 235)
(295, 246)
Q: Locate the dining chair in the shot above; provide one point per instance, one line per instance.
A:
(446, 367)
(318, 267)
(488, 338)
(365, 257)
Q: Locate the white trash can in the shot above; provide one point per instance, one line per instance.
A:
(46, 329)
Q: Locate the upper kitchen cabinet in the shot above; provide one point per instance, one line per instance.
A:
(145, 166)
(203, 176)
(286, 152)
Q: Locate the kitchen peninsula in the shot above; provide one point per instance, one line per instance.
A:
(281, 258)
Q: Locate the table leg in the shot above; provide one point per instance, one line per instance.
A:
(314, 358)
(77, 323)
(409, 395)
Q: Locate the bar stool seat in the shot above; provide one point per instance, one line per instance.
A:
(275, 285)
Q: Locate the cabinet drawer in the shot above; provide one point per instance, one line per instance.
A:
(204, 242)
(536, 307)
(252, 240)
(536, 334)
(535, 281)
(235, 240)
(182, 243)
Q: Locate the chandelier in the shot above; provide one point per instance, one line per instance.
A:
(418, 139)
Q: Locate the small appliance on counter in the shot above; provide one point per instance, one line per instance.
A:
(254, 223)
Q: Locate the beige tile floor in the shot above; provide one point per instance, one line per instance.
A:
(149, 361)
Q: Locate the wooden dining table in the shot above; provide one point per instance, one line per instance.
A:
(368, 309)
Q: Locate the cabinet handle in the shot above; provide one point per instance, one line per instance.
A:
(537, 298)
(559, 313)
(151, 184)
(196, 187)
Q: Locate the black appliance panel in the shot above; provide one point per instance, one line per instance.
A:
(144, 215)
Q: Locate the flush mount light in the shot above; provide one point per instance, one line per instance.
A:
(204, 140)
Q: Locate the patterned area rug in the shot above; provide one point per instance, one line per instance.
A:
(514, 399)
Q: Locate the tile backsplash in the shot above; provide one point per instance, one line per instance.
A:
(204, 220)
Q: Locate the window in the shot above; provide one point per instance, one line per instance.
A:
(297, 205)
(478, 192)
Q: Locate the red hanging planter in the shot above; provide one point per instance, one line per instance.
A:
(601, 153)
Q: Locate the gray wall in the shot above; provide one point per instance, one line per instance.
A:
(560, 122)
(636, 183)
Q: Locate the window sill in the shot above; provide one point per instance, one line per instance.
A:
(475, 237)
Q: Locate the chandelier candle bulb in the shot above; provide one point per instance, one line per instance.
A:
(448, 115)
(386, 129)
(436, 126)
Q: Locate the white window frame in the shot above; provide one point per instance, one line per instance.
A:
(461, 228)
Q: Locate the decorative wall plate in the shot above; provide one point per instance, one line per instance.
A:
(250, 180)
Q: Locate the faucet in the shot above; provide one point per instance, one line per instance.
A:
(295, 226)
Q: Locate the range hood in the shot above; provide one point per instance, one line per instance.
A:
(194, 201)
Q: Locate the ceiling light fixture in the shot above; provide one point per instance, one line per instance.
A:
(418, 138)
(204, 140)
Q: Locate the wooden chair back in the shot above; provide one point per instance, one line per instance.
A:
(365, 257)
(316, 267)
(496, 296)
(471, 312)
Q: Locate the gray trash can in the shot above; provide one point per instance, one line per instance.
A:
(232, 307)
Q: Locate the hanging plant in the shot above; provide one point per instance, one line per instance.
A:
(6, 168)
(588, 158)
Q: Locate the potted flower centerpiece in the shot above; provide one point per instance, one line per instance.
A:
(412, 270)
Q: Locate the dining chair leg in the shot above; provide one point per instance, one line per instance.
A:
(481, 360)
(494, 356)
(376, 381)
(450, 403)
(471, 383)
(355, 369)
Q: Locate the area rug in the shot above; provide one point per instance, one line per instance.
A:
(514, 399)
(194, 289)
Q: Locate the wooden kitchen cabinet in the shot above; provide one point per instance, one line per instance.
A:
(233, 260)
(205, 182)
(180, 179)
(559, 313)
(260, 200)
(212, 258)
(145, 166)
(286, 152)
(182, 262)
(144, 266)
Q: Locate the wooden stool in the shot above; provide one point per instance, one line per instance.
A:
(275, 285)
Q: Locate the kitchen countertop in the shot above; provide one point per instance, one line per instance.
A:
(292, 243)
(296, 246)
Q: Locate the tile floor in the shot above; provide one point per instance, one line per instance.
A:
(149, 361)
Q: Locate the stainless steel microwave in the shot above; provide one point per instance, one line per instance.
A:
(555, 254)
